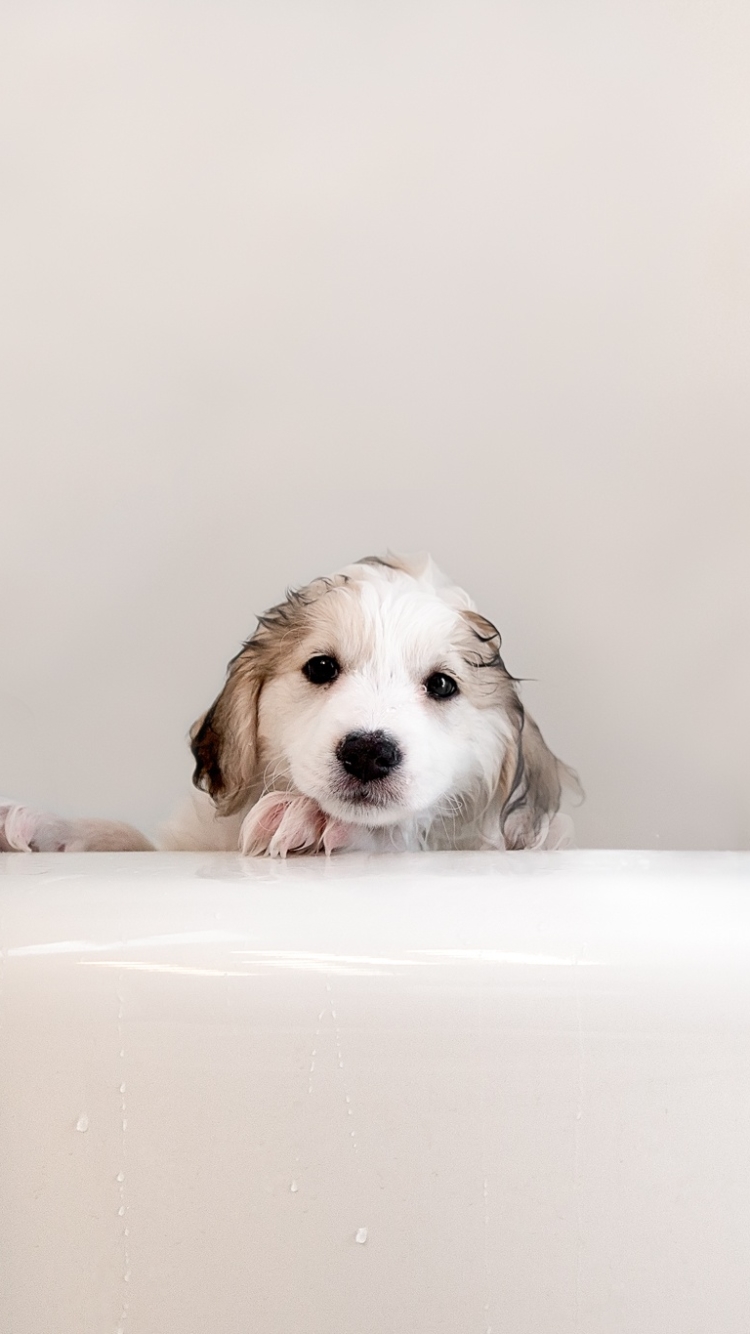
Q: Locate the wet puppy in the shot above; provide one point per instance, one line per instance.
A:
(371, 710)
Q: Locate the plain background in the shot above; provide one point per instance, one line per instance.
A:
(284, 284)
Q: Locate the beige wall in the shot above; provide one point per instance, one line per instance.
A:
(283, 284)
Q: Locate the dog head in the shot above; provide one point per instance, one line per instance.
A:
(381, 693)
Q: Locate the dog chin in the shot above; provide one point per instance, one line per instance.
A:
(361, 811)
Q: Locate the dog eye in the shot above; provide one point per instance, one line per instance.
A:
(440, 686)
(321, 669)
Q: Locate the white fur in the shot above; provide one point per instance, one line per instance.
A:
(403, 633)
(390, 627)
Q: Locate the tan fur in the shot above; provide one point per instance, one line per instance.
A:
(470, 772)
(225, 739)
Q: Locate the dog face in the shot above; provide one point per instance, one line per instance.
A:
(381, 695)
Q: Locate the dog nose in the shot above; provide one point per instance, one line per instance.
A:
(368, 755)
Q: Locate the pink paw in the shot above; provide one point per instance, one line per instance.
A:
(24, 830)
(282, 822)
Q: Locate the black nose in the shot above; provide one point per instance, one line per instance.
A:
(368, 755)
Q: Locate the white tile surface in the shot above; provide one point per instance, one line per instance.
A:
(443, 1094)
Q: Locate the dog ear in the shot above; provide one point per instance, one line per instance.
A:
(533, 779)
(527, 797)
(224, 741)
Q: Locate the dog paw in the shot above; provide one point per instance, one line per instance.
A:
(25, 830)
(282, 823)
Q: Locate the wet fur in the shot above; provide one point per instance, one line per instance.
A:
(477, 772)
(511, 801)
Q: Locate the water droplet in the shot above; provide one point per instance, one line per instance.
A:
(82, 1123)
(294, 1187)
(122, 1051)
(122, 1088)
(121, 1211)
(124, 1124)
(120, 1176)
(126, 1276)
(361, 1235)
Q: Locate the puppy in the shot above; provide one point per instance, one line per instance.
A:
(372, 711)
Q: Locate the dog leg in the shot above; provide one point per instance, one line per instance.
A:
(26, 830)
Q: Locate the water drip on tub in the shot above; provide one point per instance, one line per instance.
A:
(340, 1059)
(314, 1051)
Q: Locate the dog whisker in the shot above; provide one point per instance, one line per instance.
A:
(376, 705)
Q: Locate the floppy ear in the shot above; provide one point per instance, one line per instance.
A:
(225, 740)
(533, 778)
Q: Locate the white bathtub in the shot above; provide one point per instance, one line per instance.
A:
(439, 1094)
